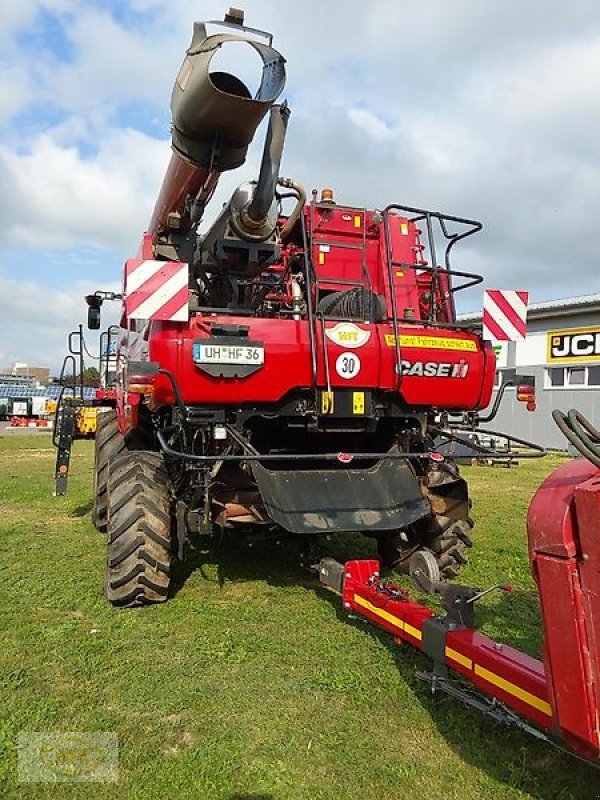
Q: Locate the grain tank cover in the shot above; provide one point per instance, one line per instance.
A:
(214, 114)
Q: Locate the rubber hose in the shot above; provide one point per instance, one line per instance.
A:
(564, 425)
(357, 303)
(582, 428)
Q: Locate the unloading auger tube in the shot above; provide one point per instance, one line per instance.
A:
(214, 119)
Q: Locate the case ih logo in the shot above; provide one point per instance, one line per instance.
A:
(347, 334)
(576, 344)
(434, 369)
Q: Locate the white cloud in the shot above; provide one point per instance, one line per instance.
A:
(56, 198)
(371, 124)
(549, 84)
(36, 320)
(18, 14)
(15, 14)
(16, 91)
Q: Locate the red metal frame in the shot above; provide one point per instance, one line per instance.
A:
(500, 671)
(564, 548)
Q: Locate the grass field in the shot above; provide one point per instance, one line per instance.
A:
(247, 684)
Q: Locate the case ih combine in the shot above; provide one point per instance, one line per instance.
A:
(295, 371)
(289, 370)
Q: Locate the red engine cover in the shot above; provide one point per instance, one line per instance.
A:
(440, 369)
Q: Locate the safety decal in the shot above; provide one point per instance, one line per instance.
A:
(432, 342)
(504, 315)
(327, 402)
(358, 402)
(347, 334)
(347, 365)
(323, 249)
(156, 290)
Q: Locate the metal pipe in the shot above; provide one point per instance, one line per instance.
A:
(264, 193)
(214, 119)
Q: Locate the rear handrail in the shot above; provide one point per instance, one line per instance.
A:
(415, 215)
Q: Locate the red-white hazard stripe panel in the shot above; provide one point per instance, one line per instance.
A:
(156, 290)
(504, 315)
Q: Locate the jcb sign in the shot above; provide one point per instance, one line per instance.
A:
(577, 344)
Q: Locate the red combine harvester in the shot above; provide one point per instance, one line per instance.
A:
(299, 372)
(557, 699)
(292, 370)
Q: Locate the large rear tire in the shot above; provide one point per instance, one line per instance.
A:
(139, 548)
(109, 445)
(446, 532)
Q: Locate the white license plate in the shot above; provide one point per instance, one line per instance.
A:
(228, 354)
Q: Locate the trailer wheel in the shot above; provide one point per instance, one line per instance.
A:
(139, 530)
(108, 445)
(446, 533)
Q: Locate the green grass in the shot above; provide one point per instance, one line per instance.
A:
(247, 684)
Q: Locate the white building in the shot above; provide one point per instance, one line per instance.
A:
(562, 352)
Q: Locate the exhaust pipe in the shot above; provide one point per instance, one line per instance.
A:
(214, 119)
(250, 206)
(268, 176)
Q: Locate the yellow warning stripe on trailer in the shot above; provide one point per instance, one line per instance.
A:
(454, 655)
(431, 342)
(499, 682)
(512, 688)
(383, 614)
(459, 658)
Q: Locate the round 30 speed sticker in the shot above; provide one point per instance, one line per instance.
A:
(347, 365)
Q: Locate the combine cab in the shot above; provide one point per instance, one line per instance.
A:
(289, 371)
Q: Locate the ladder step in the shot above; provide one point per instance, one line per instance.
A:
(340, 244)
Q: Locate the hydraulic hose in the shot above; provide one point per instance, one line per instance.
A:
(300, 191)
(580, 433)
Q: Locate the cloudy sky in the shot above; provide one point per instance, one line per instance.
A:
(481, 108)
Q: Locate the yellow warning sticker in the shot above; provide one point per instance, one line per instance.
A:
(358, 402)
(357, 221)
(327, 403)
(404, 228)
(321, 258)
(431, 342)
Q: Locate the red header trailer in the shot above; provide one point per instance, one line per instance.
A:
(557, 697)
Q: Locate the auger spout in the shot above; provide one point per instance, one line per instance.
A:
(214, 119)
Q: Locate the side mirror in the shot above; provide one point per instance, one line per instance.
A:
(93, 320)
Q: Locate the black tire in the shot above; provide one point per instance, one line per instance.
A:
(139, 530)
(446, 533)
(108, 446)
(451, 546)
